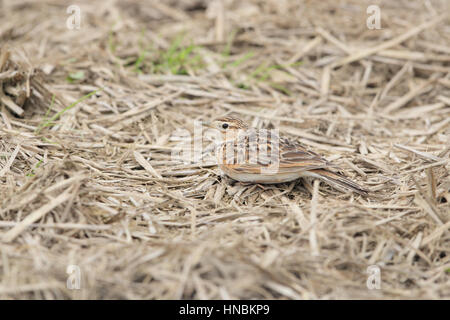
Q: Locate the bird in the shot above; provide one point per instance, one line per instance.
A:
(262, 156)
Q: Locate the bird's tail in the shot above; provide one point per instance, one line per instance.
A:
(338, 180)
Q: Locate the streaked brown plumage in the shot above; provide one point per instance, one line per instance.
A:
(289, 159)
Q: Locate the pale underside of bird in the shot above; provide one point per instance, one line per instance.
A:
(264, 157)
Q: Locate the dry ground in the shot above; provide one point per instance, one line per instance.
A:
(87, 178)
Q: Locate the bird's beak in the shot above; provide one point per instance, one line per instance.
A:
(207, 124)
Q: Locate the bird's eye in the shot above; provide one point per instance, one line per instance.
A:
(225, 125)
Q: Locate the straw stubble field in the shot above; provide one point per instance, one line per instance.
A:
(88, 124)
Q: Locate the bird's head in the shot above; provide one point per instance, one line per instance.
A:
(227, 124)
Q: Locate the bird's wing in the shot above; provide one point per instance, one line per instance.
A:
(295, 156)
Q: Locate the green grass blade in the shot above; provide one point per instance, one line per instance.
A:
(50, 122)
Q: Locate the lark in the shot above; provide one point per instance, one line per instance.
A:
(262, 156)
